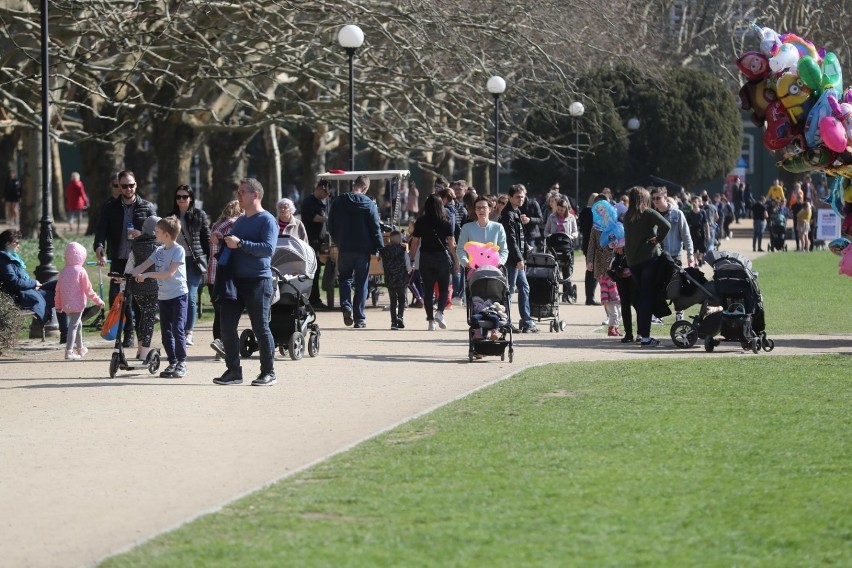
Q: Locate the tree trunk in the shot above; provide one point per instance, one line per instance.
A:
(174, 145)
(140, 159)
(31, 201)
(59, 213)
(228, 168)
(313, 151)
(275, 189)
(8, 159)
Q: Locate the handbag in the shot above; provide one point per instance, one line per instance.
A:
(200, 262)
(114, 319)
(449, 256)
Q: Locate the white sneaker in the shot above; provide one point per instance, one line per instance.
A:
(82, 351)
(189, 338)
(439, 317)
(70, 355)
(431, 326)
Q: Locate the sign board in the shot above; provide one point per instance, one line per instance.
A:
(828, 225)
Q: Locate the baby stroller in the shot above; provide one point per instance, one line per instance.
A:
(543, 276)
(292, 320)
(488, 283)
(777, 232)
(742, 317)
(561, 246)
(688, 287)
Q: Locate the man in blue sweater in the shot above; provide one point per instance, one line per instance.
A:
(353, 222)
(247, 256)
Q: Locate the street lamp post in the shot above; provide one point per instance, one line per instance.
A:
(45, 271)
(350, 38)
(576, 110)
(496, 86)
(633, 125)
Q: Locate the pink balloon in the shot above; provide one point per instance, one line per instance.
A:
(833, 134)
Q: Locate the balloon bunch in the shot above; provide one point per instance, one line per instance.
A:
(796, 90)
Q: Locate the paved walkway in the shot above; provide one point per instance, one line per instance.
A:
(90, 465)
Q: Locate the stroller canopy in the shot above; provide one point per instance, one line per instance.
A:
(488, 282)
(721, 258)
(294, 256)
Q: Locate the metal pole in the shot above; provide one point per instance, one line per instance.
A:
(577, 150)
(351, 52)
(496, 144)
(45, 271)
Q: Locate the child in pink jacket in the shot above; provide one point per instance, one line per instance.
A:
(73, 289)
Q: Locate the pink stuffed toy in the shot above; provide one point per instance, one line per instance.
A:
(482, 254)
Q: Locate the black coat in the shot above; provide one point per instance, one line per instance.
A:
(196, 226)
(511, 221)
(111, 226)
(532, 230)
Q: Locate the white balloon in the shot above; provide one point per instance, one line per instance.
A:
(786, 58)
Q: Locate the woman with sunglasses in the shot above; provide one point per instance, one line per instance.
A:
(499, 205)
(194, 237)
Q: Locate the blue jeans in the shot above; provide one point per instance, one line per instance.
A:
(172, 324)
(193, 281)
(518, 277)
(757, 237)
(256, 295)
(644, 281)
(353, 271)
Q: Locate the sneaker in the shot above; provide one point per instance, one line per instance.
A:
(627, 339)
(651, 342)
(394, 326)
(229, 378)
(70, 355)
(592, 303)
(264, 380)
(400, 324)
(439, 319)
(494, 335)
(360, 325)
(169, 372)
(82, 351)
(530, 328)
(188, 338)
(128, 342)
(431, 325)
(319, 307)
(217, 346)
(656, 320)
(347, 316)
(180, 371)
(678, 316)
(612, 331)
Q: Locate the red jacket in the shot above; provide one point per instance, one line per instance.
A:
(75, 196)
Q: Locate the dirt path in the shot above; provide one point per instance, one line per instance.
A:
(90, 465)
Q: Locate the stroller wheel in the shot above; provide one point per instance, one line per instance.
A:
(313, 344)
(154, 362)
(511, 354)
(248, 343)
(562, 325)
(296, 346)
(282, 349)
(470, 355)
(683, 334)
(709, 344)
(552, 326)
(113, 364)
(756, 345)
(768, 345)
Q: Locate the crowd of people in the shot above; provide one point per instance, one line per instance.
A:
(169, 260)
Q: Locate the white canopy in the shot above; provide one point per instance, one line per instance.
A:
(373, 175)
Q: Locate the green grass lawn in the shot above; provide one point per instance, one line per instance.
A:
(736, 461)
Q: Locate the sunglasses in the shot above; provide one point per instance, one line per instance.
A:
(182, 196)
(128, 185)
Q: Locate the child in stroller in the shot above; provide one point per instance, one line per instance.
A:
(488, 314)
(739, 314)
(292, 320)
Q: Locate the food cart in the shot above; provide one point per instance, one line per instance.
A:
(396, 179)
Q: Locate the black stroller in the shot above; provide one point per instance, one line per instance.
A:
(561, 246)
(778, 232)
(688, 287)
(542, 273)
(490, 284)
(292, 320)
(742, 317)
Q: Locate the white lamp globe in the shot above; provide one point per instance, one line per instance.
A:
(576, 109)
(496, 85)
(633, 124)
(350, 37)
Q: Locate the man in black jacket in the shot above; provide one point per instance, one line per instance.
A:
(512, 221)
(114, 235)
(534, 222)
